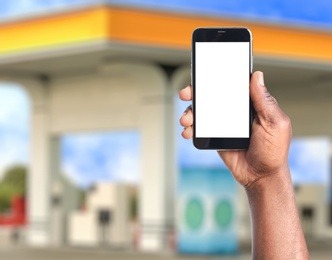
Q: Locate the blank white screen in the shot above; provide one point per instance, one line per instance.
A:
(222, 89)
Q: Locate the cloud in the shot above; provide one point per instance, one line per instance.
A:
(14, 108)
(13, 151)
(94, 157)
(23, 7)
(309, 160)
(127, 167)
(14, 126)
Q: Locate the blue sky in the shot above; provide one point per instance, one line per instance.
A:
(95, 157)
(309, 160)
(14, 126)
(313, 13)
(87, 158)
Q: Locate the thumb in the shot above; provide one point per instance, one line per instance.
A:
(265, 105)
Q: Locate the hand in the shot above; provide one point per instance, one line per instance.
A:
(271, 135)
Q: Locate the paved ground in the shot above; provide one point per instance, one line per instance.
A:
(318, 252)
(70, 254)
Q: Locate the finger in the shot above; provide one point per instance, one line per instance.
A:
(187, 132)
(265, 104)
(186, 93)
(187, 118)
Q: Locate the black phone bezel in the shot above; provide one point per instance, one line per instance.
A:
(220, 34)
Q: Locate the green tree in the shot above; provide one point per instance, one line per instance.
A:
(133, 205)
(12, 184)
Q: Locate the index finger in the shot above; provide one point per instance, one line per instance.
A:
(186, 93)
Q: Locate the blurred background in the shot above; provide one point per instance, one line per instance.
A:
(92, 163)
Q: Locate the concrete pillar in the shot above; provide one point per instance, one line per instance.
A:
(38, 179)
(49, 197)
(156, 196)
(153, 185)
(58, 197)
(57, 214)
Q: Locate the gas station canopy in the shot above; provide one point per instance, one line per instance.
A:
(86, 37)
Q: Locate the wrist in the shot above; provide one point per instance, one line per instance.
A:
(276, 225)
(274, 183)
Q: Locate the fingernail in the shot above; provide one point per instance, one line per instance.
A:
(261, 78)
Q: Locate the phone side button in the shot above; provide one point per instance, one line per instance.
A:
(191, 73)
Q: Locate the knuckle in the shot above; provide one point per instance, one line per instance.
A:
(285, 122)
(268, 97)
(181, 120)
(184, 134)
(184, 121)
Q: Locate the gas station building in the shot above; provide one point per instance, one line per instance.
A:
(105, 67)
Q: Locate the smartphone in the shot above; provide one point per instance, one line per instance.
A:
(221, 71)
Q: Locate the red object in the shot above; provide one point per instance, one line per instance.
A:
(17, 217)
(173, 241)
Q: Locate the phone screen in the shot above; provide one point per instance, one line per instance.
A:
(222, 89)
